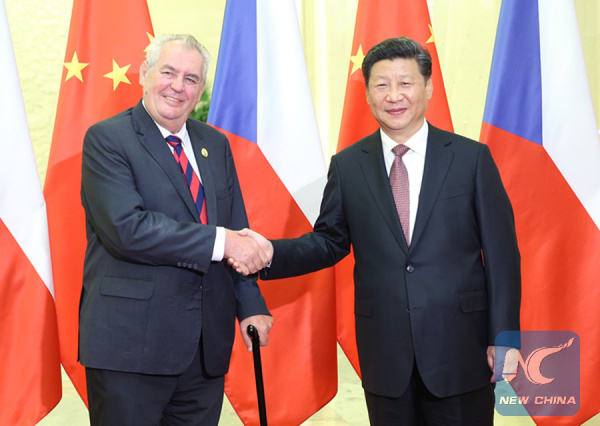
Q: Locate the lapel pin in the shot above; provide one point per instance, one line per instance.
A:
(204, 152)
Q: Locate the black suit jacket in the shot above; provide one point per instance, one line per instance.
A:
(435, 302)
(150, 290)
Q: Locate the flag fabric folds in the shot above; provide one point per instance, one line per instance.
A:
(540, 125)
(378, 20)
(30, 382)
(262, 102)
(100, 78)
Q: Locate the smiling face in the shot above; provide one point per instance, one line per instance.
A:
(173, 86)
(398, 94)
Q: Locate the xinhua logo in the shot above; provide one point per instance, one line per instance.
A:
(546, 379)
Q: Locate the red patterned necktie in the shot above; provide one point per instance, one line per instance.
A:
(400, 190)
(190, 176)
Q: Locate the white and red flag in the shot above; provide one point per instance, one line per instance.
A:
(30, 382)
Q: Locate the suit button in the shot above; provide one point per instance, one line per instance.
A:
(195, 266)
(185, 265)
(410, 268)
(178, 263)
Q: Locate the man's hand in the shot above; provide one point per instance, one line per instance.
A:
(265, 244)
(262, 242)
(248, 254)
(511, 358)
(262, 323)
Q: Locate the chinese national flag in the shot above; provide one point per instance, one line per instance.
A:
(378, 20)
(100, 78)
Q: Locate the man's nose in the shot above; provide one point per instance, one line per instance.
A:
(395, 94)
(177, 84)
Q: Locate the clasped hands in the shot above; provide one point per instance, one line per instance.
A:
(247, 251)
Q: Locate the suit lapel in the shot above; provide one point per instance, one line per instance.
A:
(374, 171)
(437, 162)
(202, 155)
(153, 142)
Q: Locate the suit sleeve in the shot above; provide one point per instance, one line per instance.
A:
(327, 244)
(500, 251)
(117, 214)
(248, 296)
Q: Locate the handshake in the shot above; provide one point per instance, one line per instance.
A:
(247, 251)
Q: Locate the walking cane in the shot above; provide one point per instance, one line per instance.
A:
(260, 390)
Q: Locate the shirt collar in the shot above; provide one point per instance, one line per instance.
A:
(416, 143)
(181, 134)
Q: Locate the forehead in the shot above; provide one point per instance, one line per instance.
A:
(397, 67)
(180, 57)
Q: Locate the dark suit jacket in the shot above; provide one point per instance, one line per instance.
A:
(150, 289)
(435, 302)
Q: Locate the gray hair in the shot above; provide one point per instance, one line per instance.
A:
(189, 42)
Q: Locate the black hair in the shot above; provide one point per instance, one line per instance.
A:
(394, 48)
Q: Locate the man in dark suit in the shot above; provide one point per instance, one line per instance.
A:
(159, 303)
(437, 274)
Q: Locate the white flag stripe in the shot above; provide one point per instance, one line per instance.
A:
(22, 206)
(286, 125)
(569, 124)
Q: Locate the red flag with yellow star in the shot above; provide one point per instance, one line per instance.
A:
(378, 20)
(100, 78)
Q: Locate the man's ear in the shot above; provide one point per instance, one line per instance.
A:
(143, 71)
(429, 88)
(199, 97)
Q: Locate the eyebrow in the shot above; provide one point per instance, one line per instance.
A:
(387, 77)
(171, 68)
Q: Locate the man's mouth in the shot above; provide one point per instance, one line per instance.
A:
(396, 111)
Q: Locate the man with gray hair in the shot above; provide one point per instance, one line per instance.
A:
(159, 303)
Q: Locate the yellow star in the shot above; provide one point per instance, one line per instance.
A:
(357, 60)
(431, 39)
(150, 37)
(118, 75)
(74, 68)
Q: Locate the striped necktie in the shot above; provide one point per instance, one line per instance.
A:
(190, 176)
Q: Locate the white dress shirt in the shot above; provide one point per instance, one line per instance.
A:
(414, 160)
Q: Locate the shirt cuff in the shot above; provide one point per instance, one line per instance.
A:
(219, 247)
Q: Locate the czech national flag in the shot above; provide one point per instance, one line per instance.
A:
(262, 101)
(540, 125)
